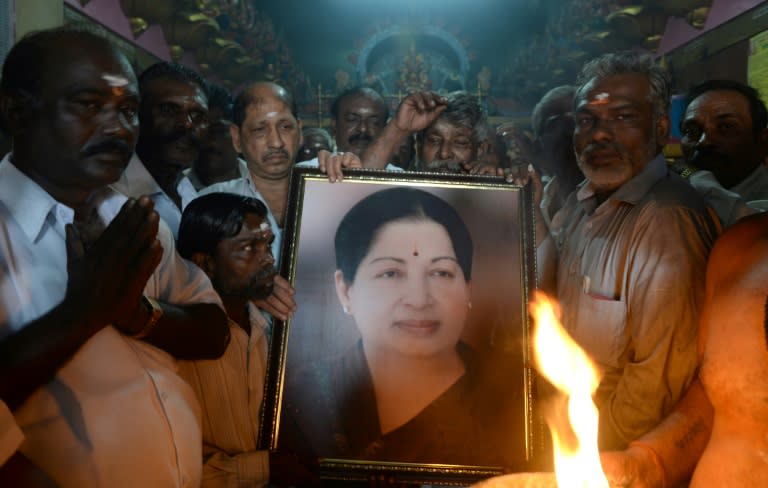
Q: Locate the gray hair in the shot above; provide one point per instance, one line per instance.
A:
(611, 64)
(464, 110)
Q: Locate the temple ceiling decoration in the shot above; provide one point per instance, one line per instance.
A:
(508, 55)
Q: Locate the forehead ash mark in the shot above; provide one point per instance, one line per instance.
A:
(601, 98)
(115, 80)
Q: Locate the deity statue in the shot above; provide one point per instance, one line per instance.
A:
(414, 72)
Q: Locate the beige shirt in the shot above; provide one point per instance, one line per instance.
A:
(230, 391)
(630, 281)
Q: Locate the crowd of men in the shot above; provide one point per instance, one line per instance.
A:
(126, 363)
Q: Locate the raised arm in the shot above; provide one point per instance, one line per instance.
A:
(415, 113)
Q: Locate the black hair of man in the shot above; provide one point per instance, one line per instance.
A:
(211, 218)
(559, 96)
(25, 63)
(221, 99)
(757, 109)
(246, 98)
(362, 223)
(171, 71)
(320, 132)
(360, 91)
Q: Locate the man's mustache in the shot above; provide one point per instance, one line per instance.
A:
(602, 147)
(262, 275)
(445, 165)
(277, 152)
(180, 134)
(360, 137)
(110, 146)
(705, 158)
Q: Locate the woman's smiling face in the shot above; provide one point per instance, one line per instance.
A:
(409, 295)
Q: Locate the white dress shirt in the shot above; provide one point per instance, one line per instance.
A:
(728, 205)
(117, 414)
(137, 181)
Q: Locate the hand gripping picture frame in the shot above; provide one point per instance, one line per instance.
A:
(408, 354)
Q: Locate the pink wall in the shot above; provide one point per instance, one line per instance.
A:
(678, 32)
(110, 14)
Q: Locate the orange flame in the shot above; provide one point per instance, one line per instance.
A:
(560, 360)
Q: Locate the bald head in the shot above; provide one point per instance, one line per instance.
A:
(259, 93)
(266, 130)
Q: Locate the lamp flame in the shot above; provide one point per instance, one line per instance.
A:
(559, 359)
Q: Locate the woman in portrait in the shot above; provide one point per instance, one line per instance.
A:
(410, 390)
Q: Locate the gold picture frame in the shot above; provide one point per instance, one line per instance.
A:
(320, 396)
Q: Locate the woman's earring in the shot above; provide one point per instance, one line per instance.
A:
(346, 309)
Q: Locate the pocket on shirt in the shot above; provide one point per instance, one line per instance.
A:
(600, 327)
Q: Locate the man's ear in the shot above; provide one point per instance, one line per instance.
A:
(234, 132)
(301, 133)
(342, 291)
(204, 262)
(662, 130)
(483, 149)
(333, 128)
(12, 114)
(762, 140)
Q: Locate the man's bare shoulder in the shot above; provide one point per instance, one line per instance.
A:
(743, 246)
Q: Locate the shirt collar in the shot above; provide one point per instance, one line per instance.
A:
(27, 202)
(137, 180)
(245, 173)
(256, 318)
(186, 191)
(636, 188)
(755, 179)
(30, 205)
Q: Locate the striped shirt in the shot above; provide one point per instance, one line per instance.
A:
(230, 390)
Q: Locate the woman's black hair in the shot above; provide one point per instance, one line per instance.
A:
(360, 226)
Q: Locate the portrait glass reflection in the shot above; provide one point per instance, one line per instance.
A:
(408, 343)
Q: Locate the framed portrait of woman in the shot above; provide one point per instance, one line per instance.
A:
(408, 353)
